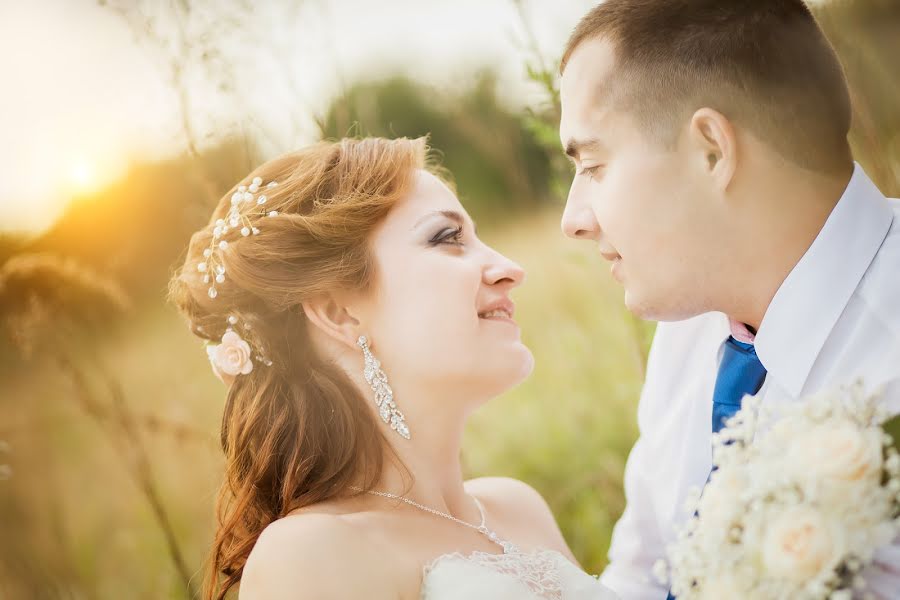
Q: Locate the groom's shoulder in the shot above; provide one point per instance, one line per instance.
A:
(893, 236)
(890, 249)
(880, 287)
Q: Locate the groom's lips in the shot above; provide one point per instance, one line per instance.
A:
(614, 269)
(615, 259)
(610, 256)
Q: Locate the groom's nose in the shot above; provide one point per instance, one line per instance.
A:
(578, 220)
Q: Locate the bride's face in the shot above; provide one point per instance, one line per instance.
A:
(439, 312)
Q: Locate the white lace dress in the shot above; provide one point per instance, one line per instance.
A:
(513, 574)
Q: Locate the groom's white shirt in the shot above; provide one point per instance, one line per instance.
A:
(835, 317)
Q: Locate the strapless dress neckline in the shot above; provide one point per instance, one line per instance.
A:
(514, 574)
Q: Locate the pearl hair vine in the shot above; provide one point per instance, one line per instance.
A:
(213, 265)
(233, 356)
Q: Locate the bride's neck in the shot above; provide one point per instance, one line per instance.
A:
(430, 471)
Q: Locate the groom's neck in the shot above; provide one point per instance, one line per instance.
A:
(783, 216)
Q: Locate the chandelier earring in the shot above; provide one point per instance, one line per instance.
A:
(384, 395)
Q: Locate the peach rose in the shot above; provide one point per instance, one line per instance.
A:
(798, 545)
(230, 358)
(838, 451)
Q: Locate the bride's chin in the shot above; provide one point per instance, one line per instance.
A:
(521, 368)
(503, 376)
(528, 362)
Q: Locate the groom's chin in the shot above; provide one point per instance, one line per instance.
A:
(639, 309)
(646, 308)
(653, 309)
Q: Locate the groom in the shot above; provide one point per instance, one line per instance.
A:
(714, 173)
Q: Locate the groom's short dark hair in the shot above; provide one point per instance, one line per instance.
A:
(764, 64)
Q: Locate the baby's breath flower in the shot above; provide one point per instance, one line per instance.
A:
(797, 492)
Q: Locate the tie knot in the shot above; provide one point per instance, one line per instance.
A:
(740, 373)
(744, 347)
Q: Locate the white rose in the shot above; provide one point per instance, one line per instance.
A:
(837, 450)
(722, 586)
(230, 358)
(798, 545)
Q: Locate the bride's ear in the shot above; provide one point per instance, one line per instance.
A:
(334, 318)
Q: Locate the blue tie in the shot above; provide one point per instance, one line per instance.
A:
(740, 373)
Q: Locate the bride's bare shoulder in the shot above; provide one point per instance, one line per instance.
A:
(313, 555)
(522, 508)
(512, 494)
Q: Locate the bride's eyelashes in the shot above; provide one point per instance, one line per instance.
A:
(447, 235)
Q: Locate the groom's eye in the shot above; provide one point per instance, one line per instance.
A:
(589, 171)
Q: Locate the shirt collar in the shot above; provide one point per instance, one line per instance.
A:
(809, 302)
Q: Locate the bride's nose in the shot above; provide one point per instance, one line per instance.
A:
(500, 269)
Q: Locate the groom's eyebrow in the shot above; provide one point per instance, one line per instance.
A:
(574, 148)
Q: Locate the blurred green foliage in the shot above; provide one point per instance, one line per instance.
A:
(866, 36)
(501, 170)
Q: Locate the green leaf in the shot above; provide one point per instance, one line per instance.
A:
(892, 428)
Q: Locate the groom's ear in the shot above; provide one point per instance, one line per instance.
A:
(713, 137)
(334, 317)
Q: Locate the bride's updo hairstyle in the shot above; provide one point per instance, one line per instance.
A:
(296, 431)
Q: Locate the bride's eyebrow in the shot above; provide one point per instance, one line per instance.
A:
(453, 215)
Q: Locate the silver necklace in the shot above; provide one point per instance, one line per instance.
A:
(481, 528)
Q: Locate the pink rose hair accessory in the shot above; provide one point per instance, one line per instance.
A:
(233, 356)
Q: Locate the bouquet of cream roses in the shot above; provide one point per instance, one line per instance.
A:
(799, 502)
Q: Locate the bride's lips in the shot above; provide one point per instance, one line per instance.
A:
(500, 310)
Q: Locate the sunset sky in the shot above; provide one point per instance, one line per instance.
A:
(82, 97)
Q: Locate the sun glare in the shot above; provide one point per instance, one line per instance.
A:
(82, 176)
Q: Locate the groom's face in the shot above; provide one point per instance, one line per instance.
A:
(639, 201)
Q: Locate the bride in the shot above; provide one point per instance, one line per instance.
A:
(357, 321)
